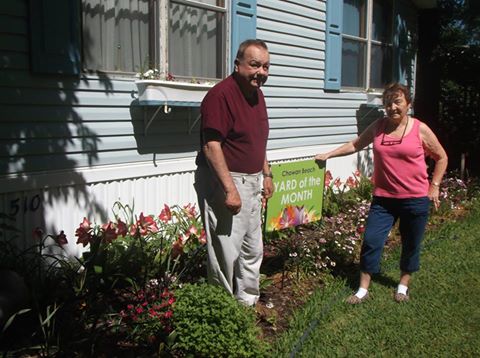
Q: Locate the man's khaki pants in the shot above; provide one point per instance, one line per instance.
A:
(234, 242)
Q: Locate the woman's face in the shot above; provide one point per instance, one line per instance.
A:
(397, 107)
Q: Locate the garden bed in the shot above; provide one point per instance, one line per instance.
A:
(121, 296)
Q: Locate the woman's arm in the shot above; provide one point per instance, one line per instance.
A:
(353, 146)
(434, 149)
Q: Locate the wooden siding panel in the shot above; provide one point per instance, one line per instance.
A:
(104, 84)
(14, 8)
(321, 140)
(287, 60)
(94, 144)
(299, 41)
(17, 43)
(14, 61)
(13, 25)
(300, 111)
(296, 8)
(63, 97)
(277, 123)
(265, 16)
(288, 113)
(291, 49)
(61, 161)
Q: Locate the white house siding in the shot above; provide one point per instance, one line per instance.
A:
(70, 148)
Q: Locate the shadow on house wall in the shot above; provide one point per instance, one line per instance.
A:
(366, 114)
(45, 129)
(165, 134)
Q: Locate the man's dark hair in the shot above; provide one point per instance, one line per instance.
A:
(391, 90)
(247, 43)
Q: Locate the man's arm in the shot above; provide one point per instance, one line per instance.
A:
(267, 180)
(214, 154)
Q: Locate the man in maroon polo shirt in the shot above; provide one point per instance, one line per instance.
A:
(233, 173)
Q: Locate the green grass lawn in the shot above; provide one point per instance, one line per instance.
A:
(442, 318)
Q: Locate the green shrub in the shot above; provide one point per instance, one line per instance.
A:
(211, 323)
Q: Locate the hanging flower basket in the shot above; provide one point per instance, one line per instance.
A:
(158, 92)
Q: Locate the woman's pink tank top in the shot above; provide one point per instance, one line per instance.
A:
(400, 170)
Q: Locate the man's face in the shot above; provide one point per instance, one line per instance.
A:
(253, 68)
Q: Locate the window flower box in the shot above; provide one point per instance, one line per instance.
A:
(171, 93)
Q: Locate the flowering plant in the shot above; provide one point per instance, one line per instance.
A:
(148, 314)
(144, 247)
(155, 74)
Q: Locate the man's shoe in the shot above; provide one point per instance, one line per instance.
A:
(354, 300)
(400, 297)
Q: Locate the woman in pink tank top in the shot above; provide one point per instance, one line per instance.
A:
(401, 187)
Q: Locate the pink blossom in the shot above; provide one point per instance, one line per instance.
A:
(147, 225)
(191, 210)
(203, 237)
(351, 183)
(109, 233)
(165, 214)
(328, 178)
(84, 233)
(37, 233)
(61, 239)
(122, 228)
(177, 247)
(337, 182)
(192, 230)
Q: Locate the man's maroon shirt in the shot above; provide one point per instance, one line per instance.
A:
(240, 124)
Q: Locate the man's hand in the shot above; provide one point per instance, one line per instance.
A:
(233, 201)
(267, 189)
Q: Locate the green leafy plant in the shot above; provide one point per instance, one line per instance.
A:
(211, 323)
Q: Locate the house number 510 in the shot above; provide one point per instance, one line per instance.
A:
(24, 205)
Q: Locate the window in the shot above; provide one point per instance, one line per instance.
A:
(367, 43)
(186, 38)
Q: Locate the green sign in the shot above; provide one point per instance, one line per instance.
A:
(298, 195)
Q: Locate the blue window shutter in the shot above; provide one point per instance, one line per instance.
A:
(244, 24)
(55, 36)
(404, 53)
(333, 47)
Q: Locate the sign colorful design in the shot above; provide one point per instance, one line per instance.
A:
(298, 195)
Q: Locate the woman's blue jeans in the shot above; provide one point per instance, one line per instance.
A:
(384, 212)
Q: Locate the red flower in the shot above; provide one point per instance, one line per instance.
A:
(37, 233)
(122, 228)
(165, 214)
(147, 225)
(357, 173)
(109, 232)
(361, 229)
(351, 183)
(191, 211)
(203, 237)
(61, 239)
(328, 178)
(177, 247)
(337, 182)
(84, 233)
(168, 314)
(192, 230)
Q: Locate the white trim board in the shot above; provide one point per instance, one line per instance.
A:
(88, 175)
